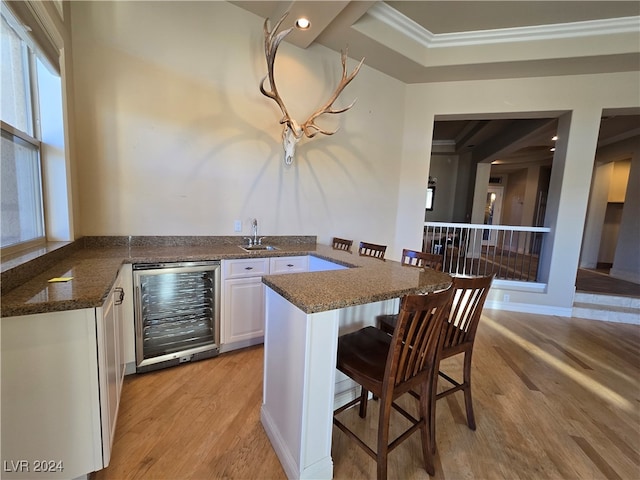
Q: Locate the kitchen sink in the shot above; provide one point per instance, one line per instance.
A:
(259, 248)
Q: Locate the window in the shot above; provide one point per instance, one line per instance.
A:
(24, 102)
(22, 216)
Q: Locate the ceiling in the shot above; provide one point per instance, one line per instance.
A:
(509, 144)
(459, 16)
(433, 41)
(428, 41)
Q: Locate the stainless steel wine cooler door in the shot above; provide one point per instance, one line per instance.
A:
(177, 313)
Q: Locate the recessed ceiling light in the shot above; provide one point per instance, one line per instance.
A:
(302, 23)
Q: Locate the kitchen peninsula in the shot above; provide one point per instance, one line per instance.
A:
(68, 415)
(305, 314)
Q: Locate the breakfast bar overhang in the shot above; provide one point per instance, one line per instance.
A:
(305, 314)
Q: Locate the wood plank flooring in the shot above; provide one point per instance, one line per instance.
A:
(555, 398)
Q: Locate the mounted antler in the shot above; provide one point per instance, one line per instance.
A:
(292, 131)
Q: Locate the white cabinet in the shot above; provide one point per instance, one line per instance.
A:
(244, 307)
(50, 392)
(245, 267)
(243, 302)
(60, 384)
(128, 348)
(278, 265)
(243, 297)
(111, 363)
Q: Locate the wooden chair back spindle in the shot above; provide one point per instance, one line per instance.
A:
(372, 250)
(468, 301)
(342, 244)
(414, 258)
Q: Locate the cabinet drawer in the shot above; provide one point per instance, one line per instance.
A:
(246, 267)
(289, 264)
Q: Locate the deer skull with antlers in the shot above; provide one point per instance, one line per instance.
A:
(293, 131)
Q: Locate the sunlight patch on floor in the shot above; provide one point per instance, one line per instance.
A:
(588, 383)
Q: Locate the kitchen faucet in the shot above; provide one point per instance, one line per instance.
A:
(254, 229)
(254, 226)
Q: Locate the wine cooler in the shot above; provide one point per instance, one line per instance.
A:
(177, 313)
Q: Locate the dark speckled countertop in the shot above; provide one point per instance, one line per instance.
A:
(94, 270)
(371, 280)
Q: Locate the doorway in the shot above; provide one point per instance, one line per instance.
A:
(492, 214)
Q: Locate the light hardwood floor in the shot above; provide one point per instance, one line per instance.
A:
(554, 398)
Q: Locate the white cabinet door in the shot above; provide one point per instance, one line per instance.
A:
(119, 310)
(128, 335)
(109, 369)
(280, 265)
(244, 311)
(242, 302)
(50, 393)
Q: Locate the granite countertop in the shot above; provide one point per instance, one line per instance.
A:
(94, 270)
(370, 280)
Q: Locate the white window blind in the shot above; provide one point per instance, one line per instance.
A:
(21, 191)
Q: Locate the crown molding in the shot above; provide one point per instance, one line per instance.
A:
(399, 22)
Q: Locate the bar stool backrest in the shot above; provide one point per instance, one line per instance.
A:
(372, 250)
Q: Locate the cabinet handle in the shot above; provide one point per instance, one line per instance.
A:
(289, 265)
(120, 298)
(248, 268)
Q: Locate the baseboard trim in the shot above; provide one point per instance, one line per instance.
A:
(322, 469)
(287, 461)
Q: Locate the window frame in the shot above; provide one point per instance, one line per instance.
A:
(30, 51)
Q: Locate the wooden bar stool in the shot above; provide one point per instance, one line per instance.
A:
(459, 334)
(410, 258)
(390, 366)
(372, 250)
(414, 258)
(342, 244)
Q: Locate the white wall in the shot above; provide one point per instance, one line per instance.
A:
(626, 263)
(595, 217)
(610, 233)
(174, 137)
(583, 99)
(619, 180)
(614, 181)
(444, 168)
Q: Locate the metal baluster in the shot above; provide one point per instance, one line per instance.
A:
(456, 244)
(524, 256)
(476, 256)
(516, 253)
(493, 257)
(533, 242)
(509, 256)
